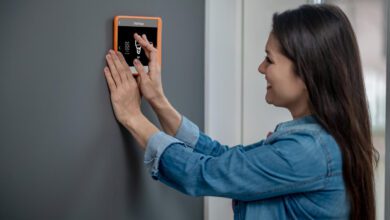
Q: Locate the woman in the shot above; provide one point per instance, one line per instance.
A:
(317, 166)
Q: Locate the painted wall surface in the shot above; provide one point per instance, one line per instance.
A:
(62, 153)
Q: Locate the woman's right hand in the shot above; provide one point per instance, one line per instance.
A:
(151, 88)
(149, 83)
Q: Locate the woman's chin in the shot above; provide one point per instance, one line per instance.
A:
(272, 102)
(268, 100)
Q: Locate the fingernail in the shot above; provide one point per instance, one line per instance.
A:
(136, 61)
(107, 56)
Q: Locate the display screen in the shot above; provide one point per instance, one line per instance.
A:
(130, 48)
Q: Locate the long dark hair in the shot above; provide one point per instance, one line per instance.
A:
(320, 41)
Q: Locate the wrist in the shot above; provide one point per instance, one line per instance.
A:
(159, 103)
(168, 116)
(132, 122)
(141, 129)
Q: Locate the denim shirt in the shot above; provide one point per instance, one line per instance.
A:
(295, 173)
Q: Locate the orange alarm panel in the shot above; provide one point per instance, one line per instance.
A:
(124, 29)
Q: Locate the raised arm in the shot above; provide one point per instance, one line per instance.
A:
(151, 88)
(172, 122)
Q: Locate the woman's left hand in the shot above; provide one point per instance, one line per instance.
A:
(125, 95)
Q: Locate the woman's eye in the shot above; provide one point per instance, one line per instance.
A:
(268, 59)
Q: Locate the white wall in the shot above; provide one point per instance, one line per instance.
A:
(235, 110)
(258, 116)
(222, 85)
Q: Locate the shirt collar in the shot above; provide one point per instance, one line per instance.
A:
(308, 119)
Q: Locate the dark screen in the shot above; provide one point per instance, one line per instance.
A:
(129, 48)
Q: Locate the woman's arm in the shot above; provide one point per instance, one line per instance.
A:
(290, 165)
(126, 99)
(141, 129)
(172, 122)
(185, 130)
(169, 117)
(151, 87)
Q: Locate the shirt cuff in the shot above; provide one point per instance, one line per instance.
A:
(188, 132)
(156, 145)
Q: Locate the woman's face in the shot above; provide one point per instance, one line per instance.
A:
(284, 87)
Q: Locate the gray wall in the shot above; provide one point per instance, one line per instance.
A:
(62, 153)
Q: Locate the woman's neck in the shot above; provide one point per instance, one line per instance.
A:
(299, 110)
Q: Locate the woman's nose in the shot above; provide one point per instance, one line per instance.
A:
(261, 68)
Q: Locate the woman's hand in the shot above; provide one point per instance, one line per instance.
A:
(151, 88)
(125, 96)
(149, 83)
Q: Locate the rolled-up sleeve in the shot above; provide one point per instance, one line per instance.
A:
(188, 132)
(156, 145)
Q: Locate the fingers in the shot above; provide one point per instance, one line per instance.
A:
(145, 38)
(119, 66)
(110, 80)
(147, 41)
(139, 67)
(113, 70)
(154, 62)
(122, 59)
(124, 63)
(145, 44)
(147, 52)
(154, 52)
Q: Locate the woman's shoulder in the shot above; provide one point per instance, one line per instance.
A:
(308, 131)
(305, 130)
(309, 144)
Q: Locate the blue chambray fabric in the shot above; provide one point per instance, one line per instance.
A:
(295, 173)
